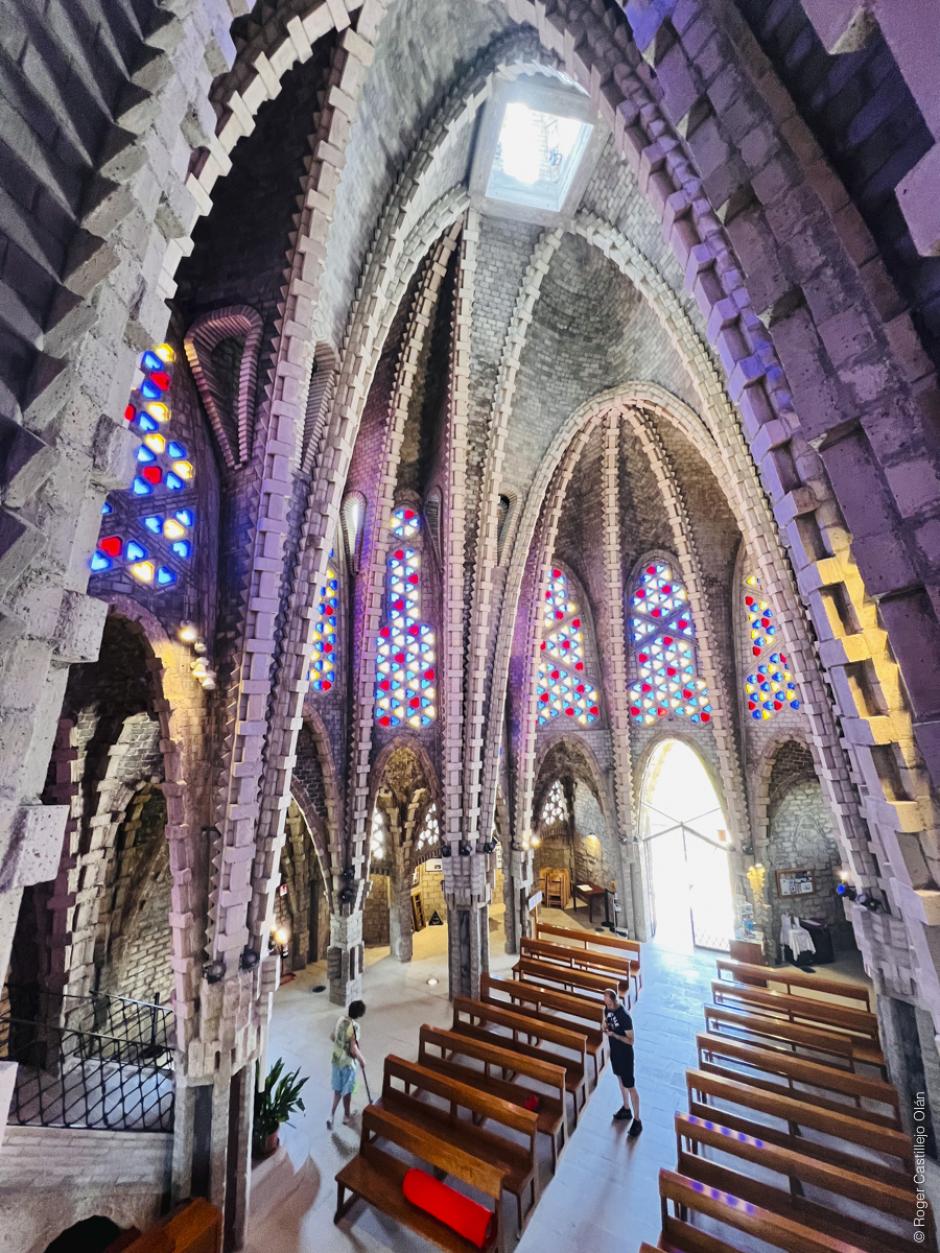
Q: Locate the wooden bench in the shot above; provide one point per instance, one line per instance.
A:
(810, 1074)
(376, 1176)
(613, 968)
(760, 976)
(693, 1136)
(537, 971)
(437, 1048)
(526, 998)
(600, 939)
(836, 1048)
(855, 1133)
(468, 1014)
(688, 1197)
(518, 1159)
(853, 1022)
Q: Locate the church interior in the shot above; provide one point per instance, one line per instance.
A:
(469, 625)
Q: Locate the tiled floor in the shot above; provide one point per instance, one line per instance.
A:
(604, 1195)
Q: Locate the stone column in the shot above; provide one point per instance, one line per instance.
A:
(519, 875)
(468, 887)
(344, 957)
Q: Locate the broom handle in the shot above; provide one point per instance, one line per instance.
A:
(366, 1080)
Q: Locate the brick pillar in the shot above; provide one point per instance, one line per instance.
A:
(468, 952)
(520, 888)
(344, 957)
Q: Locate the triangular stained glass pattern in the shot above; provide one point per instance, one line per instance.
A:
(663, 638)
(406, 664)
(147, 531)
(771, 687)
(323, 653)
(562, 686)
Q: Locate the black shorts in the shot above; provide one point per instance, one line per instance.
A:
(621, 1063)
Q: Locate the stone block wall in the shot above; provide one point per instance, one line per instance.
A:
(375, 921)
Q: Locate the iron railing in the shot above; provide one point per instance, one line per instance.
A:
(96, 1062)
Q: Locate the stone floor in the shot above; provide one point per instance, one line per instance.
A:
(604, 1194)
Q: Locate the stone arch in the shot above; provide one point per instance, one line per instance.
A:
(229, 403)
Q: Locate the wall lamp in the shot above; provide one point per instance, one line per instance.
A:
(865, 899)
(214, 972)
(465, 848)
(446, 850)
(489, 846)
(249, 958)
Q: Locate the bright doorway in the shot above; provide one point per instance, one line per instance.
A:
(685, 841)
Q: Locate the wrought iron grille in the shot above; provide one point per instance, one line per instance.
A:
(97, 1062)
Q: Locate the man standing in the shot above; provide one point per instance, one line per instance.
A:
(618, 1027)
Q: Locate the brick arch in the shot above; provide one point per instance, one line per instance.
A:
(578, 759)
(235, 322)
(645, 768)
(760, 811)
(324, 829)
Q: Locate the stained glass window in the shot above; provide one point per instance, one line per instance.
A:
(770, 687)
(406, 673)
(430, 831)
(555, 807)
(147, 531)
(663, 637)
(378, 839)
(562, 688)
(323, 656)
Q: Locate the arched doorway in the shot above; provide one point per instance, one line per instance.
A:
(685, 845)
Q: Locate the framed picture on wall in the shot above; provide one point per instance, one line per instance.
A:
(795, 883)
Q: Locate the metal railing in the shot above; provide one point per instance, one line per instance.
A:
(97, 1062)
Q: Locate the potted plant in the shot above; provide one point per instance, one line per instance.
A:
(274, 1104)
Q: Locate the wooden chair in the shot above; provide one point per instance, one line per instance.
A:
(403, 1078)
(855, 1134)
(587, 1016)
(790, 977)
(375, 1176)
(597, 939)
(799, 1070)
(689, 1198)
(853, 1022)
(694, 1136)
(437, 1050)
(836, 1048)
(560, 1045)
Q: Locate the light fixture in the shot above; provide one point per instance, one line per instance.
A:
(187, 633)
(281, 937)
(214, 971)
(446, 849)
(465, 848)
(249, 958)
(432, 982)
(535, 841)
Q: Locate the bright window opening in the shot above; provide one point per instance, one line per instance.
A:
(537, 157)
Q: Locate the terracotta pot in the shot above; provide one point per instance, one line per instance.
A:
(267, 1146)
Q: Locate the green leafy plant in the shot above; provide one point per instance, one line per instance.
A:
(277, 1100)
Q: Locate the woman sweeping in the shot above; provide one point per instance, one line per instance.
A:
(345, 1059)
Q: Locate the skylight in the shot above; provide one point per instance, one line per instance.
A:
(537, 157)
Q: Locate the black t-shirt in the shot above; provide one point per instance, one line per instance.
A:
(620, 1021)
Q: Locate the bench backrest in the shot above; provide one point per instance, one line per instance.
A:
(773, 1229)
(574, 1003)
(597, 938)
(820, 1013)
(547, 1073)
(465, 1008)
(619, 967)
(769, 1028)
(857, 1130)
(432, 1149)
(854, 1185)
(552, 972)
(477, 1100)
(799, 1069)
(791, 978)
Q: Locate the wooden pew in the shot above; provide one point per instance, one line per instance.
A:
(526, 998)
(693, 1136)
(375, 1176)
(518, 1159)
(836, 1048)
(745, 972)
(437, 1049)
(857, 1023)
(689, 1197)
(599, 939)
(614, 968)
(856, 1133)
(469, 1015)
(535, 971)
(799, 1070)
